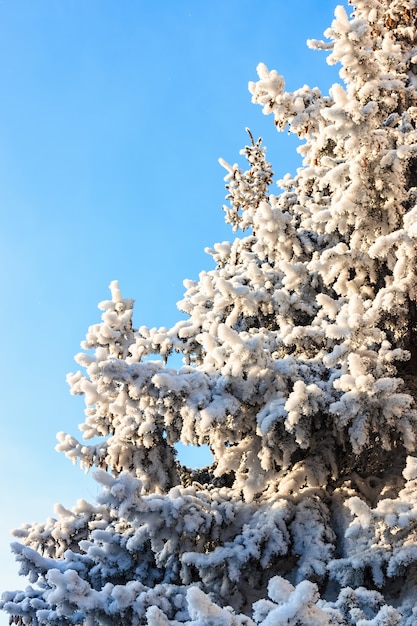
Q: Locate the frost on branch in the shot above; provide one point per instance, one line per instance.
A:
(299, 371)
(247, 189)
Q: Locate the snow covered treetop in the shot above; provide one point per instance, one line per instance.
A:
(297, 344)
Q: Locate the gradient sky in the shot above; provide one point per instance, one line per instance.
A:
(112, 118)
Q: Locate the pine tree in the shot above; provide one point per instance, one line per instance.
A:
(300, 353)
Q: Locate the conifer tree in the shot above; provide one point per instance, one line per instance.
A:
(300, 353)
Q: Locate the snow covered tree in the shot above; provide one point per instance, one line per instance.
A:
(300, 353)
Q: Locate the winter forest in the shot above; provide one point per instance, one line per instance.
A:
(299, 355)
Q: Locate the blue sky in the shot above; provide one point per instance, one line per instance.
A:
(112, 118)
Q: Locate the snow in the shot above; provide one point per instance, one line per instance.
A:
(299, 353)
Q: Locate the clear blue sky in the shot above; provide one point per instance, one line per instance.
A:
(112, 118)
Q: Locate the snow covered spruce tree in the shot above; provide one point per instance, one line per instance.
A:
(300, 352)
